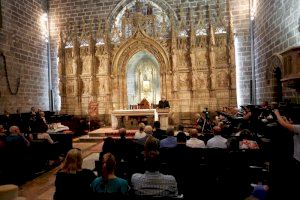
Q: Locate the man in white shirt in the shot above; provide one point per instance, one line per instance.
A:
(217, 141)
(194, 142)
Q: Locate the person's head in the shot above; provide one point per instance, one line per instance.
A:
(148, 129)
(246, 134)
(33, 109)
(151, 153)
(265, 104)
(122, 132)
(194, 133)
(181, 138)
(6, 112)
(180, 127)
(217, 130)
(151, 144)
(14, 130)
(1, 128)
(108, 163)
(274, 105)
(249, 108)
(141, 126)
(42, 114)
(170, 131)
(163, 98)
(197, 115)
(156, 124)
(108, 145)
(72, 162)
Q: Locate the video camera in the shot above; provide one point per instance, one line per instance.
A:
(206, 113)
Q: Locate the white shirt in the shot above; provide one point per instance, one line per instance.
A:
(217, 142)
(45, 136)
(195, 143)
(139, 135)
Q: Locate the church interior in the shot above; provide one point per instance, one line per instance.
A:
(212, 86)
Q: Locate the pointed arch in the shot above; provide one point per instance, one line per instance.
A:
(139, 42)
(274, 75)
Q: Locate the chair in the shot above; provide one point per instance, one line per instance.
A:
(144, 104)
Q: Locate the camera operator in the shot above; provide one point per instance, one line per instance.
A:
(293, 128)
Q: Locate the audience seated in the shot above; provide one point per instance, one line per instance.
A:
(125, 155)
(170, 141)
(152, 182)
(109, 183)
(140, 133)
(17, 154)
(73, 182)
(217, 141)
(7, 120)
(109, 146)
(247, 141)
(194, 142)
(180, 128)
(158, 132)
(149, 131)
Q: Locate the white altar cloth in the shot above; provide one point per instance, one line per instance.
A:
(134, 112)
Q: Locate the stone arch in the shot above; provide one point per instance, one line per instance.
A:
(140, 42)
(161, 3)
(273, 76)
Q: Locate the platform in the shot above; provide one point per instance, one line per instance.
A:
(102, 133)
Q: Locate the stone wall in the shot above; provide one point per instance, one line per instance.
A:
(25, 50)
(276, 29)
(240, 12)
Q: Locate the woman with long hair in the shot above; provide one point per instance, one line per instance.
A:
(73, 182)
(109, 183)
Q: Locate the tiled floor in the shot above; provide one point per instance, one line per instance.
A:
(42, 187)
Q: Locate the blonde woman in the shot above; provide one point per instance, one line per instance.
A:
(73, 182)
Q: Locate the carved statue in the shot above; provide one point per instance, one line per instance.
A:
(149, 9)
(138, 6)
(213, 80)
(86, 87)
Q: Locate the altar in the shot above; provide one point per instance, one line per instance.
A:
(131, 118)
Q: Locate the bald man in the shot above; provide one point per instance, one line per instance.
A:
(163, 103)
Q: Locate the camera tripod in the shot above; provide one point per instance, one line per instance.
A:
(206, 125)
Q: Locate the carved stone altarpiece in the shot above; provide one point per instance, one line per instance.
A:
(196, 61)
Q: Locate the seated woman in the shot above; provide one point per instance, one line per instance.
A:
(109, 183)
(73, 182)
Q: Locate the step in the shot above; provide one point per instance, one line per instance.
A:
(87, 138)
(97, 134)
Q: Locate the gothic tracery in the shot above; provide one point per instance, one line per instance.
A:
(195, 61)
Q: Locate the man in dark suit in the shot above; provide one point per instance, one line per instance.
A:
(163, 103)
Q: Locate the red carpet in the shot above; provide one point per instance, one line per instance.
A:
(97, 148)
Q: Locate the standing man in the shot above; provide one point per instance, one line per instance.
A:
(163, 103)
